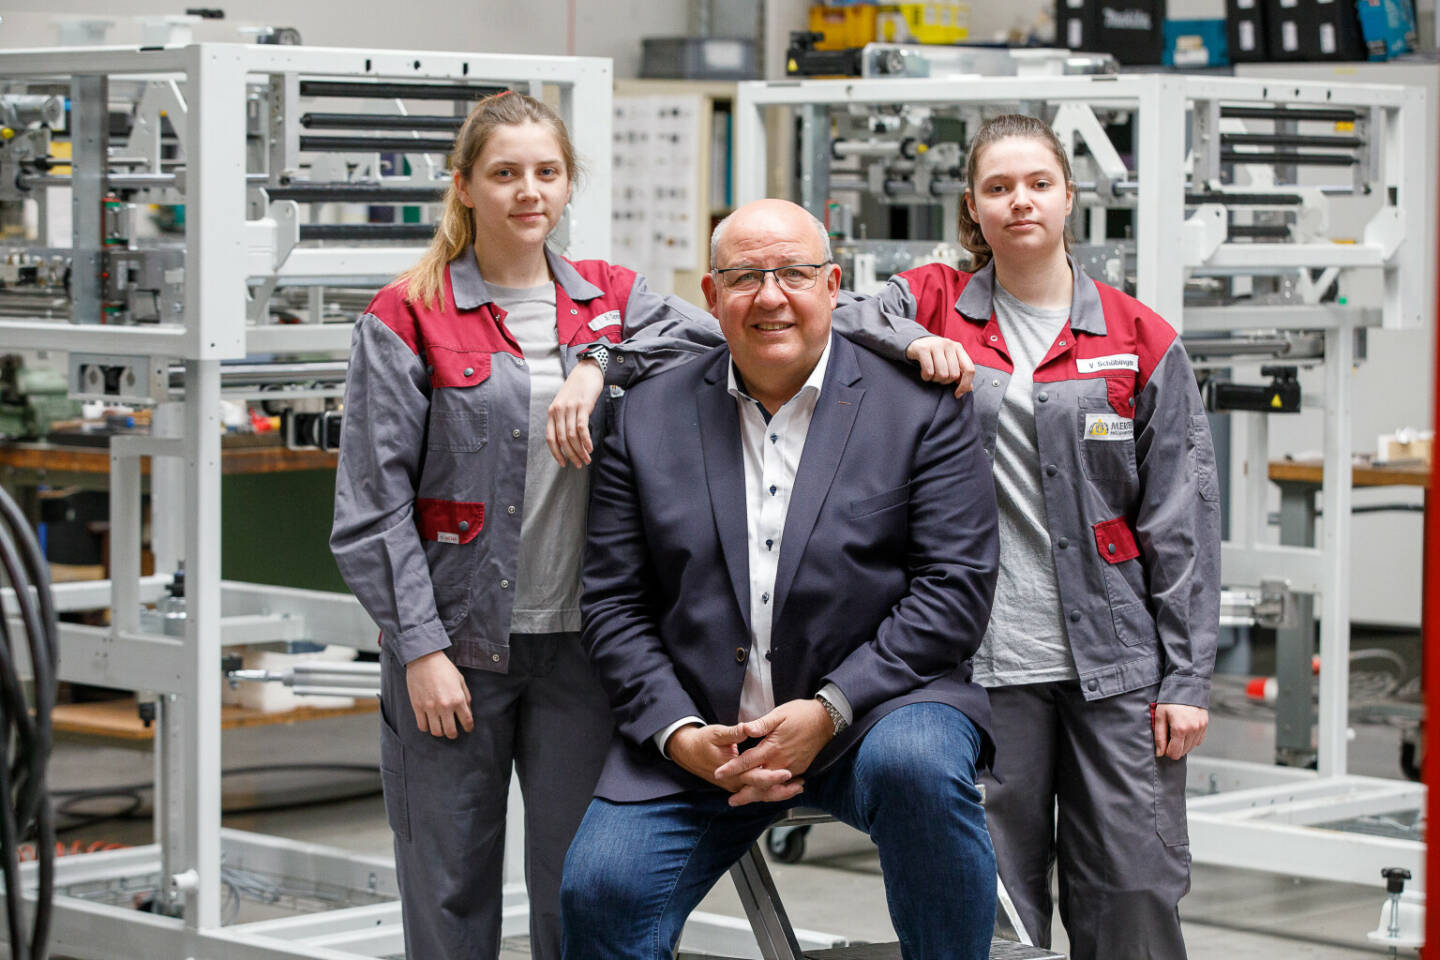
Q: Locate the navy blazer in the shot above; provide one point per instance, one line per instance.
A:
(886, 570)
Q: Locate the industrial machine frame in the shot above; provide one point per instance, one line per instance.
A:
(236, 250)
(1251, 815)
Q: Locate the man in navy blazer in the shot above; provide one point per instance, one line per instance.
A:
(792, 557)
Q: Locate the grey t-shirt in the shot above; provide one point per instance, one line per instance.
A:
(1026, 640)
(552, 527)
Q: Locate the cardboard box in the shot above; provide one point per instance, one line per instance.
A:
(1388, 27)
(1196, 43)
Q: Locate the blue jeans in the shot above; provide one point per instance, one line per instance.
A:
(636, 870)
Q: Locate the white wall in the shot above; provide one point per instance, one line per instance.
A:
(611, 28)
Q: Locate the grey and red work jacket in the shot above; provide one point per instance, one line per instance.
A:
(1127, 468)
(429, 492)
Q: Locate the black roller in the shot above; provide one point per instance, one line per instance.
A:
(377, 121)
(354, 193)
(371, 144)
(1332, 114)
(1288, 140)
(367, 231)
(1245, 199)
(393, 90)
(1277, 157)
(1266, 231)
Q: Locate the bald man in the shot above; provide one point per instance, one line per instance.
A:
(791, 560)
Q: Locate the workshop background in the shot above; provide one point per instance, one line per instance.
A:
(307, 836)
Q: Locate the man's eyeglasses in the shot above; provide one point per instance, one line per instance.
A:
(794, 277)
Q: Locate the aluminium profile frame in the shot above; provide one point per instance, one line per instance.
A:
(186, 451)
(1272, 827)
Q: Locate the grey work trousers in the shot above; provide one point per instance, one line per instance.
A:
(446, 799)
(1120, 841)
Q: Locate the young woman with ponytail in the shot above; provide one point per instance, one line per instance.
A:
(473, 381)
(1102, 638)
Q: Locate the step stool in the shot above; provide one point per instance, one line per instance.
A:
(772, 927)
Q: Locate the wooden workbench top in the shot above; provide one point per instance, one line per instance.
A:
(120, 719)
(234, 458)
(1375, 475)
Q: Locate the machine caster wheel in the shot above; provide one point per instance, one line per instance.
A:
(786, 844)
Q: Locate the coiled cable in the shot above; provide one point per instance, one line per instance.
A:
(25, 736)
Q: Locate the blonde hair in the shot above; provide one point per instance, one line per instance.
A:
(455, 233)
(992, 131)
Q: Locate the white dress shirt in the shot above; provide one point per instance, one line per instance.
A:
(771, 452)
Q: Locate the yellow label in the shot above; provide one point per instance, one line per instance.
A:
(1275, 402)
(1345, 126)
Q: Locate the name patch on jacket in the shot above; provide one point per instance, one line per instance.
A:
(1108, 426)
(611, 318)
(1118, 361)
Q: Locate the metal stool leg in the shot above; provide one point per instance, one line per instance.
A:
(1011, 914)
(763, 908)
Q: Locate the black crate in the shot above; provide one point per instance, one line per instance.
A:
(1133, 31)
(1337, 34)
(1313, 30)
(1075, 24)
(1245, 32)
(1285, 28)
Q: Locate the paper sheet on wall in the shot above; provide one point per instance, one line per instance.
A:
(654, 202)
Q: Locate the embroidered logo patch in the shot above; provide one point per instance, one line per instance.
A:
(1117, 361)
(448, 537)
(1108, 426)
(610, 318)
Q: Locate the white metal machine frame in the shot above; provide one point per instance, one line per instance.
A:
(1252, 816)
(235, 252)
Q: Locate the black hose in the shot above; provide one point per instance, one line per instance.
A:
(25, 739)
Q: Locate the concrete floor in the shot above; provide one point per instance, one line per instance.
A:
(1230, 914)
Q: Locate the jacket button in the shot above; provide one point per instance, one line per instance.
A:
(573, 311)
(1051, 470)
(1062, 543)
(740, 654)
(1075, 618)
(469, 371)
(510, 509)
(1110, 549)
(504, 584)
(994, 383)
(993, 338)
(619, 358)
(519, 361)
(1043, 397)
(1093, 684)
(1062, 343)
(494, 658)
(515, 433)
(464, 525)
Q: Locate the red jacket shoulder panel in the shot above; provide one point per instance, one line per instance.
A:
(390, 307)
(1129, 320)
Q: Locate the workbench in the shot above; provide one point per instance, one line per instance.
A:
(1299, 481)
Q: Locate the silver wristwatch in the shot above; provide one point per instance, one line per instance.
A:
(836, 717)
(599, 354)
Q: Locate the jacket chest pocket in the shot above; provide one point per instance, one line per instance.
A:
(459, 399)
(1106, 439)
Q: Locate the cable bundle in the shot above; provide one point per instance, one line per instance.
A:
(25, 738)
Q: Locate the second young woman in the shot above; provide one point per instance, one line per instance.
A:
(1102, 638)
